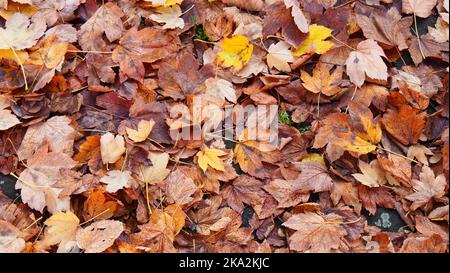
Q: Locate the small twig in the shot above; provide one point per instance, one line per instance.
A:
(21, 67)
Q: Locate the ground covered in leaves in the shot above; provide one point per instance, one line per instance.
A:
(90, 93)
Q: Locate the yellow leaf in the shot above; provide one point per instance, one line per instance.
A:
(163, 3)
(61, 227)
(236, 52)
(144, 129)
(9, 54)
(316, 41)
(315, 158)
(210, 157)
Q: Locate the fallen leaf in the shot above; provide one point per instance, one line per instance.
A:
(169, 16)
(236, 52)
(143, 131)
(180, 188)
(61, 229)
(421, 8)
(279, 56)
(316, 41)
(117, 180)
(366, 60)
(409, 130)
(10, 241)
(315, 233)
(19, 33)
(427, 188)
(56, 132)
(210, 157)
(99, 236)
(112, 148)
(322, 81)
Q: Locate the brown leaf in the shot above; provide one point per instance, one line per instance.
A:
(99, 236)
(143, 46)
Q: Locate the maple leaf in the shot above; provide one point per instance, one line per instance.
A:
(169, 16)
(111, 147)
(373, 197)
(106, 20)
(37, 181)
(210, 157)
(97, 237)
(322, 81)
(315, 233)
(421, 8)
(61, 229)
(366, 60)
(313, 177)
(348, 192)
(372, 175)
(53, 10)
(427, 188)
(180, 188)
(141, 134)
(116, 180)
(389, 28)
(236, 52)
(143, 46)
(56, 131)
(409, 130)
(220, 89)
(315, 43)
(360, 134)
(19, 33)
(279, 56)
(158, 172)
(244, 189)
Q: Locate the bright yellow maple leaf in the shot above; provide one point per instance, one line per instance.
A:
(315, 43)
(236, 52)
(210, 157)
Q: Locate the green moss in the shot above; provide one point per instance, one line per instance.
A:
(303, 128)
(285, 118)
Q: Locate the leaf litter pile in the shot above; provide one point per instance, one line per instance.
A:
(87, 92)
